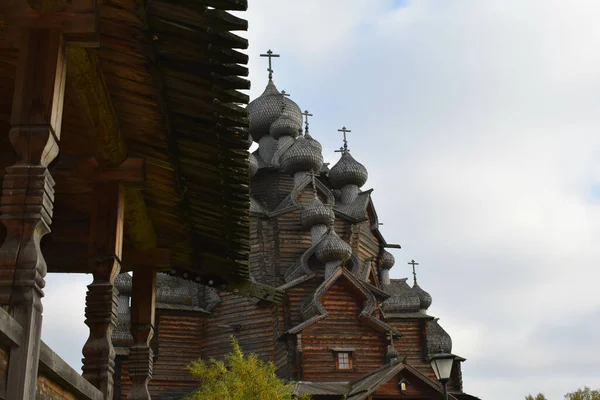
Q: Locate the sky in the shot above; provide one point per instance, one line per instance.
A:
(478, 123)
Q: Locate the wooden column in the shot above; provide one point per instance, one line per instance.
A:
(142, 329)
(28, 195)
(106, 242)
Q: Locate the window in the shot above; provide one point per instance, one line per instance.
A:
(344, 361)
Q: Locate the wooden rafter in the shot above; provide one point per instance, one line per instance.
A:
(86, 81)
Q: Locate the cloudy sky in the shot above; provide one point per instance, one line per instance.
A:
(478, 122)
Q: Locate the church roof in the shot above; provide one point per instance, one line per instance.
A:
(368, 384)
(267, 108)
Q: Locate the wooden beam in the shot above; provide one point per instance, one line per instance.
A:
(10, 330)
(106, 241)
(89, 87)
(28, 195)
(143, 299)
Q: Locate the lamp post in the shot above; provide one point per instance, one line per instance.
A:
(442, 366)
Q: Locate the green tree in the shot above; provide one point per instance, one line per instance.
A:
(239, 377)
(538, 397)
(584, 394)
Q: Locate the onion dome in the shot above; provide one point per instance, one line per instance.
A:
(253, 165)
(284, 126)
(123, 283)
(267, 108)
(312, 142)
(424, 297)
(347, 171)
(402, 298)
(316, 213)
(333, 248)
(302, 157)
(387, 260)
(438, 340)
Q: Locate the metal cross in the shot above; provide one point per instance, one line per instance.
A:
(270, 55)
(306, 115)
(344, 150)
(413, 263)
(283, 96)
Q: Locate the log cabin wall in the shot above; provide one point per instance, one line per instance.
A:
(179, 341)
(341, 328)
(412, 344)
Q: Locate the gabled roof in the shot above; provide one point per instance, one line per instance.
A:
(313, 310)
(368, 384)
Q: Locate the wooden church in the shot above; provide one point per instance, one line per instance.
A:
(344, 329)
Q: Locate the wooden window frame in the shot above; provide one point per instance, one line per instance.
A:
(338, 355)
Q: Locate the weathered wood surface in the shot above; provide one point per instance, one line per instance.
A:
(179, 339)
(106, 244)
(28, 195)
(143, 299)
(135, 96)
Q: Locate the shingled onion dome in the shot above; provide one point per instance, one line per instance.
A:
(123, 284)
(332, 251)
(348, 175)
(285, 125)
(267, 108)
(312, 142)
(386, 263)
(438, 340)
(318, 217)
(402, 298)
(316, 213)
(424, 297)
(347, 171)
(302, 157)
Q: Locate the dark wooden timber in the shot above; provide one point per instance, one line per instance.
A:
(28, 196)
(142, 330)
(106, 243)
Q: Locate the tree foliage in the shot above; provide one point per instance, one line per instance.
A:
(581, 394)
(538, 397)
(239, 377)
(584, 394)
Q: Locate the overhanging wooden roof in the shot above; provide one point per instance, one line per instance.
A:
(162, 86)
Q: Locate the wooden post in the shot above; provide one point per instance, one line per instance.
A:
(142, 329)
(28, 195)
(106, 243)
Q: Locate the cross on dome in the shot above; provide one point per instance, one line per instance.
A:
(270, 55)
(306, 115)
(344, 149)
(413, 263)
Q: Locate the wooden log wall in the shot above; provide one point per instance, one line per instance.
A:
(412, 344)
(180, 340)
(341, 328)
(255, 327)
(270, 187)
(49, 390)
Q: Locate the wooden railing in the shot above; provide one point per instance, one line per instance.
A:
(56, 379)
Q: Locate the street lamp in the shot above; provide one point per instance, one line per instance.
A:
(442, 366)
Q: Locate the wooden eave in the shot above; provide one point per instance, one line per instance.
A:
(172, 73)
